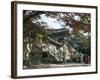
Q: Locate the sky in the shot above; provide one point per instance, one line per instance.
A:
(52, 23)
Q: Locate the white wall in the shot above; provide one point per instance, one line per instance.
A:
(5, 40)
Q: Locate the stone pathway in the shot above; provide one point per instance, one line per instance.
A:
(55, 65)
